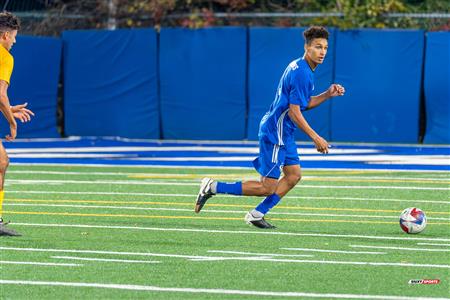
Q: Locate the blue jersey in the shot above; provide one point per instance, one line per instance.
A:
(295, 87)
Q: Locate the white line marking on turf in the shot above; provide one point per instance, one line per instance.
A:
(261, 254)
(34, 263)
(148, 182)
(108, 260)
(401, 248)
(162, 148)
(177, 175)
(206, 210)
(103, 252)
(406, 238)
(200, 167)
(431, 244)
(214, 258)
(331, 251)
(331, 262)
(225, 196)
(211, 291)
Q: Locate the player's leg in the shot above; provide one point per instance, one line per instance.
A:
(4, 162)
(266, 164)
(292, 175)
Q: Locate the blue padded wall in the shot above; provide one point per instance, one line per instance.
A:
(110, 83)
(37, 62)
(202, 79)
(270, 51)
(381, 71)
(437, 88)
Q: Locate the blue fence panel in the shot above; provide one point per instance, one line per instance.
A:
(37, 62)
(437, 88)
(271, 50)
(381, 71)
(203, 77)
(110, 83)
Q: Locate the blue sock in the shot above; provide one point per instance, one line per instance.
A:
(234, 188)
(268, 203)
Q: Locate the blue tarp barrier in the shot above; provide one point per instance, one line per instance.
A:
(110, 83)
(381, 71)
(270, 51)
(37, 62)
(437, 88)
(202, 79)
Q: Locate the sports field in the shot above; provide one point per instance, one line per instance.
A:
(130, 232)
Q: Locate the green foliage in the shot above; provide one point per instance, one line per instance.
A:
(204, 13)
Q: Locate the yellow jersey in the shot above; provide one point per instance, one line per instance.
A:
(6, 64)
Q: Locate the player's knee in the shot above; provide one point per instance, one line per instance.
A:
(293, 179)
(269, 190)
(4, 163)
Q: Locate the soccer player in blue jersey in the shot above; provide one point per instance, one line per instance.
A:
(277, 148)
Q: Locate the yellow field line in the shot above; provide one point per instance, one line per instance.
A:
(238, 176)
(220, 205)
(195, 217)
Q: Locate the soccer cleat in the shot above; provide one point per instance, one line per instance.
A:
(258, 222)
(204, 194)
(7, 231)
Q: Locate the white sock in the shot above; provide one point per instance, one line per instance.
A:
(214, 187)
(257, 214)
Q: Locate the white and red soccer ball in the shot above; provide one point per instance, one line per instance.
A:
(413, 220)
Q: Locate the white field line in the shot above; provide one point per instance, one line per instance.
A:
(377, 158)
(108, 260)
(330, 262)
(331, 251)
(261, 254)
(370, 237)
(176, 175)
(217, 196)
(208, 210)
(34, 263)
(147, 182)
(200, 167)
(431, 244)
(104, 252)
(401, 248)
(206, 258)
(72, 155)
(221, 149)
(211, 291)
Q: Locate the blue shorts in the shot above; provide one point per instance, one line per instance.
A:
(272, 158)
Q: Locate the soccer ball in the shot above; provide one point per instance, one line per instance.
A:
(413, 220)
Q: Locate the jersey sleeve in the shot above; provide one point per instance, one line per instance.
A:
(299, 93)
(6, 67)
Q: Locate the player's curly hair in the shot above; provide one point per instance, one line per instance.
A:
(315, 32)
(8, 21)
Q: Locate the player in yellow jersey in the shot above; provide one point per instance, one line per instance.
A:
(9, 25)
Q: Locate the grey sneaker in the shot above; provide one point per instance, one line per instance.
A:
(7, 231)
(204, 194)
(258, 222)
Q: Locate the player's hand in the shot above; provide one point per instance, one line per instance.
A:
(336, 90)
(13, 132)
(22, 113)
(321, 145)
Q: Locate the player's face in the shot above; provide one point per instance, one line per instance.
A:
(9, 39)
(316, 50)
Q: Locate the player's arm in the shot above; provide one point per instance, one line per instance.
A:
(333, 91)
(297, 117)
(5, 108)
